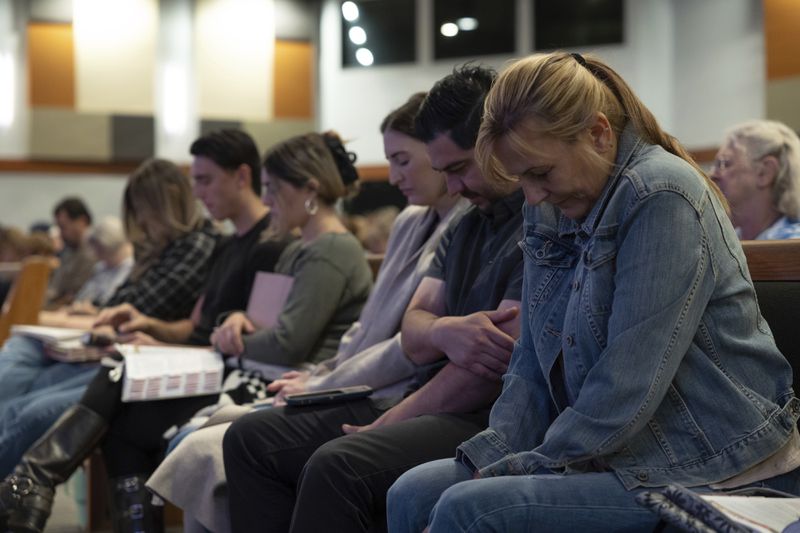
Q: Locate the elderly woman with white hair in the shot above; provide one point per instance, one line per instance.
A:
(115, 260)
(758, 169)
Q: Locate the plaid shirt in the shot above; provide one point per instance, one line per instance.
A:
(168, 290)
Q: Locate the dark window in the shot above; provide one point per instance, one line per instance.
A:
(384, 31)
(576, 23)
(468, 28)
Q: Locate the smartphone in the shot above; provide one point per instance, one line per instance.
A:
(343, 394)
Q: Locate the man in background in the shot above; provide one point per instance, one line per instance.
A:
(76, 258)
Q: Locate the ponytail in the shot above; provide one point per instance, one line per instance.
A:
(563, 92)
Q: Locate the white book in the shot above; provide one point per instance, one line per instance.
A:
(48, 334)
(162, 372)
(758, 512)
(67, 345)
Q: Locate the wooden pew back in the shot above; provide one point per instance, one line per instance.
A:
(26, 297)
(775, 269)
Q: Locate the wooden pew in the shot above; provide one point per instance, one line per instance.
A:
(773, 260)
(775, 269)
(26, 297)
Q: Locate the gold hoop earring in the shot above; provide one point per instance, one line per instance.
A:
(311, 206)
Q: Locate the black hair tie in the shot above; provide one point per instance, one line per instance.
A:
(579, 58)
(344, 160)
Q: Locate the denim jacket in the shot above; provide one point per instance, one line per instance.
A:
(643, 351)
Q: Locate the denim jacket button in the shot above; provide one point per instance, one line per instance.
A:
(576, 285)
(642, 476)
(569, 340)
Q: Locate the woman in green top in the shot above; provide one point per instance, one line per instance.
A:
(302, 180)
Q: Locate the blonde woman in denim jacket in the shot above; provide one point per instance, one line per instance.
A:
(644, 359)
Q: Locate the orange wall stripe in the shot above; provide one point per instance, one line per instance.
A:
(51, 65)
(782, 38)
(294, 81)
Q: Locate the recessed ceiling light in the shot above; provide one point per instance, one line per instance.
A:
(449, 29)
(364, 57)
(357, 35)
(350, 11)
(467, 23)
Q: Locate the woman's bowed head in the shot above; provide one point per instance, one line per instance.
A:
(555, 126)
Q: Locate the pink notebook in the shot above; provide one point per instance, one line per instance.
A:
(267, 298)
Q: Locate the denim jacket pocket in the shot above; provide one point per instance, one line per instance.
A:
(599, 262)
(543, 246)
(548, 259)
(602, 248)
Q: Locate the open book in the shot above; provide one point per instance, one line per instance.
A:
(47, 334)
(161, 372)
(67, 345)
(733, 513)
(759, 513)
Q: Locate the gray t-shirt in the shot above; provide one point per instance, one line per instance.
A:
(481, 264)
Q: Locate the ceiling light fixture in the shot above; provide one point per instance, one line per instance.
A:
(357, 35)
(467, 23)
(449, 29)
(350, 11)
(364, 57)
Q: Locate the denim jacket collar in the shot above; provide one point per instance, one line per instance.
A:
(629, 141)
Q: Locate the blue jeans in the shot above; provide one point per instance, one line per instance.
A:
(25, 368)
(443, 494)
(34, 391)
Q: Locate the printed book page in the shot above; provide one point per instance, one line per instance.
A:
(161, 372)
(758, 512)
(267, 298)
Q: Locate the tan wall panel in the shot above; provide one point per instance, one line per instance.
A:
(234, 54)
(294, 79)
(782, 97)
(64, 134)
(268, 133)
(51, 65)
(781, 24)
(115, 45)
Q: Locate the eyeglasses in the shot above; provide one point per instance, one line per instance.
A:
(721, 164)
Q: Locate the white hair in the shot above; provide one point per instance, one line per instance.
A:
(108, 234)
(760, 138)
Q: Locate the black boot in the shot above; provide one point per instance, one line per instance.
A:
(26, 496)
(132, 510)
